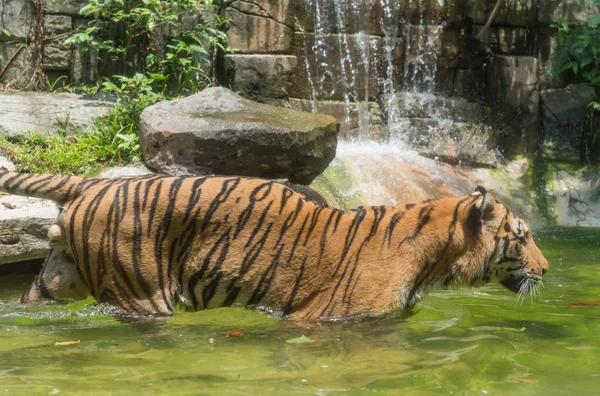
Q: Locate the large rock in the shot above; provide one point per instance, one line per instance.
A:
(568, 10)
(70, 7)
(457, 143)
(564, 114)
(24, 226)
(259, 26)
(264, 78)
(219, 132)
(511, 13)
(356, 120)
(23, 112)
(57, 54)
(17, 17)
(512, 89)
(20, 71)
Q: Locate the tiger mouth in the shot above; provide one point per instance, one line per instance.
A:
(520, 285)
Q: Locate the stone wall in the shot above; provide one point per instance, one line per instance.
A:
(34, 45)
(506, 66)
(325, 54)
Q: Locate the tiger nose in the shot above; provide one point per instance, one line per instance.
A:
(544, 270)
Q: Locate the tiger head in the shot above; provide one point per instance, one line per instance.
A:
(512, 257)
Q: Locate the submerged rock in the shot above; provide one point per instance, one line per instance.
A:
(219, 132)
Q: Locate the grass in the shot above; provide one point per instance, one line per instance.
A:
(112, 141)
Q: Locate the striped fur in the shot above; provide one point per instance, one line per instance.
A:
(144, 244)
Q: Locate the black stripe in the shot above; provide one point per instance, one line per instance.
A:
(228, 186)
(290, 304)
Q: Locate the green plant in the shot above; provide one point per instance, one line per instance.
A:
(127, 36)
(577, 58)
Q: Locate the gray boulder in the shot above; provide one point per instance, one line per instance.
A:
(564, 115)
(457, 143)
(22, 112)
(218, 132)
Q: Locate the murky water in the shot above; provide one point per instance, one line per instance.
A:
(456, 342)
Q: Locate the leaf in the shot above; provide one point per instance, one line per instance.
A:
(595, 20)
(232, 333)
(299, 340)
(64, 343)
(586, 61)
(569, 65)
(5, 32)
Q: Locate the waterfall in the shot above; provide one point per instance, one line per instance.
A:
(363, 53)
(375, 65)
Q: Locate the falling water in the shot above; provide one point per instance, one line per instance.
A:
(378, 53)
(351, 59)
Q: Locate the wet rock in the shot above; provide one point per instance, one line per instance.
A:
(343, 17)
(457, 143)
(219, 132)
(326, 72)
(412, 105)
(512, 89)
(442, 45)
(564, 113)
(356, 119)
(22, 112)
(263, 78)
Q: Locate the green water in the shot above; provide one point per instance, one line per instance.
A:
(457, 342)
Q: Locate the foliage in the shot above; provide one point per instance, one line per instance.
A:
(578, 59)
(149, 50)
(135, 30)
(75, 153)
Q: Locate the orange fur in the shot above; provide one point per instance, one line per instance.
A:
(143, 244)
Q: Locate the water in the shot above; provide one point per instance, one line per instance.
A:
(470, 342)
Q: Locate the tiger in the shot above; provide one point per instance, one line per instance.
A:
(146, 244)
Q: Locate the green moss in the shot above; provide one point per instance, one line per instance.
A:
(337, 186)
(537, 178)
(280, 119)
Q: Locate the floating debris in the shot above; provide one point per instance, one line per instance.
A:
(583, 304)
(299, 340)
(63, 343)
(528, 381)
(232, 333)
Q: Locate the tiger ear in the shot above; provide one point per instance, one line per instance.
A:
(487, 203)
